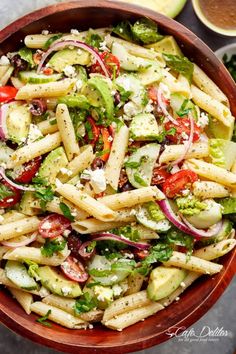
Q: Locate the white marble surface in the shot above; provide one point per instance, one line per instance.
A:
(223, 313)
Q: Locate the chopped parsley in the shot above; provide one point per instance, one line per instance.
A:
(180, 64)
(5, 192)
(50, 247)
(86, 303)
(66, 211)
(43, 320)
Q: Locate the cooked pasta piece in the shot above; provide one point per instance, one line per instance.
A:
(59, 316)
(212, 172)
(3, 250)
(19, 227)
(211, 106)
(176, 86)
(48, 126)
(35, 149)
(193, 263)
(116, 158)
(24, 299)
(87, 203)
(173, 152)
(67, 131)
(50, 89)
(207, 189)
(11, 216)
(132, 198)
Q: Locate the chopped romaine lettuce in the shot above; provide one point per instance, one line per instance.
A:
(27, 55)
(180, 64)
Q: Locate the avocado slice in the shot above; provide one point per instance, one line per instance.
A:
(58, 284)
(52, 164)
(25, 204)
(99, 94)
(144, 127)
(18, 122)
(65, 57)
(104, 296)
(167, 45)
(222, 153)
(228, 204)
(17, 273)
(218, 130)
(164, 281)
(140, 165)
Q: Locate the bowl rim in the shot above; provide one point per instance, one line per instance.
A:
(6, 315)
(223, 50)
(210, 25)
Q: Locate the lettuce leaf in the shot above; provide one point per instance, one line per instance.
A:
(180, 64)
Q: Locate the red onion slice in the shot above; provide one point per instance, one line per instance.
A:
(3, 123)
(188, 143)
(108, 236)
(13, 184)
(20, 241)
(83, 252)
(162, 105)
(187, 228)
(78, 44)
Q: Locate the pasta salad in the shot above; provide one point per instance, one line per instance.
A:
(117, 175)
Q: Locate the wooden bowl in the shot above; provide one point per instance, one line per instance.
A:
(196, 301)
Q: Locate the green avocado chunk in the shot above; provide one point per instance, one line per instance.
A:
(228, 204)
(167, 45)
(144, 127)
(164, 281)
(18, 122)
(58, 284)
(52, 164)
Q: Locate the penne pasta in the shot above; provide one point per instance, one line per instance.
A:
(18, 228)
(131, 198)
(207, 189)
(131, 317)
(176, 86)
(205, 84)
(35, 149)
(195, 264)
(67, 131)
(116, 158)
(35, 255)
(59, 316)
(78, 164)
(211, 106)
(11, 216)
(87, 203)
(24, 299)
(51, 89)
(68, 305)
(212, 172)
(215, 250)
(3, 250)
(48, 126)
(173, 152)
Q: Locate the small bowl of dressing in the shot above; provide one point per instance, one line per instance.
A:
(218, 15)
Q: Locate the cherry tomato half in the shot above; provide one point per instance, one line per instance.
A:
(11, 199)
(159, 176)
(29, 170)
(111, 62)
(53, 225)
(74, 270)
(178, 182)
(183, 127)
(7, 93)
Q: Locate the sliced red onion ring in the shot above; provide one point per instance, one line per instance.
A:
(20, 241)
(83, 250)
(162, 105)
(188, 143)
(187, 228)
(3, 123)
(13, 184)
(78, 44)
(108, 236)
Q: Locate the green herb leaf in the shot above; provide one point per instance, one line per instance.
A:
(66, 211)
(53, 122)
(27, 55)
(183, 109)
(164, 133)
(5, 192)
(124, 95)
(45, 194)
(51, 40)
(123, 30)
(178, 238)
(139, 180)
(180, 64)
(94, 40)
(89, 130)
(128, 232)
(50, 247)
(146, 31)
(43, 320)
(132, 164)
(85, 303)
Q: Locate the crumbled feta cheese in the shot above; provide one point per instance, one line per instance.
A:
(45, 32)
(185, 192)
(90, 326)
(165, 304)
(66, 171)
(1, 218)
(129, 255)
(4, 60)
(149, 107)
(177, 298)
(79, 84)
(34, 133)
(131, 109)
(11, 200)
(66, 233)
(98, 180)
(117, 290)
(114, 278)
(66, 290)
(184, 136)
(103, 46)
(182, 284)
(69, 71)
(100, 297)
(74, 31)
(203, 120)
(47, 225)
